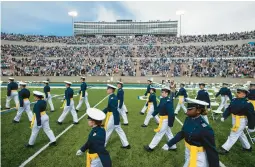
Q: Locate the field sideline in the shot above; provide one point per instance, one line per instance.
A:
(14, 136)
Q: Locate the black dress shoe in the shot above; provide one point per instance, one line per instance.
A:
(141, 113)
(126, 147)
(60, 123)
(127, 113)
(77, 110)
(148, 149)
(13, 121)
(28, 145)
(7, 108)
(144, 126)
(52, 111)
(75, 123)
(222, 151)
(125, 124)
(248, 150)
(53, 144)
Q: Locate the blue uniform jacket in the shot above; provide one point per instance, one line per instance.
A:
(182, 92)
(198, 133)
(83, 89)
(113, 107)
(153, 99)
(68, 95)
(11, 86)
(204, 96)
(39, 107)
(224, 91)
(46, 89)
(96, 144)
(241, 107)
(148, 90)
(164, 108)
(120, 95)
(251, 95)
(23, 94)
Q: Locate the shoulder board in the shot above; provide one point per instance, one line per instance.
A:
(111, 97)
(94, 134)
(204, 125)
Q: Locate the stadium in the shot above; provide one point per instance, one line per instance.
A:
(144, 58)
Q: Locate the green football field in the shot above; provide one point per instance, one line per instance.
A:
(14, 136)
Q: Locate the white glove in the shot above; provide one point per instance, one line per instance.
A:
(222, 119)
(209, 109)
(62, 100)
(251, 130)
(79, 152)
(165, 147)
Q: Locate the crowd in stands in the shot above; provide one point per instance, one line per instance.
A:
(139, 40)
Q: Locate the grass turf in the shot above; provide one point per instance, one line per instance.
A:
(14, 136)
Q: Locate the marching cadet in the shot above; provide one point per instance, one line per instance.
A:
(112, 121)
(152, 106)
(40, 120)
(182, 96)
(203, 95)
(251, 95)
(121, 106)
(24, 103)
(147, 93)
(225, 95)
(200, 146)
(172, 88)
(83, 95)
(165, 110)
(48, 96)
(69, 105)
(97, 155)
(12, 93)
(242, 112)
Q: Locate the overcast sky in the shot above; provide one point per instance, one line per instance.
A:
(51, 18)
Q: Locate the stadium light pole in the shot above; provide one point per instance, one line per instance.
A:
(180, 13)
(73, 14)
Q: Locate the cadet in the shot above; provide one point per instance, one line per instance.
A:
(251, 95)
(173, 88)
(24, 103)
(200, 146)
(225, 95)
(182, 95)
(165, 110)
(48, 96)
(147, 93)
(121, 106)
(112, 121)
(203, 95)
(40, 120)
(69, 105)
(83, 95)
(12, 93)
(242, 112)
(152, 106)
(97, 155)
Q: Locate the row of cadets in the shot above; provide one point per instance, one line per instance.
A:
(165, 110)
(112, 121)
(48, 97)
(24, 103)
(225, 94)
(83, 95)
(182, 93)
(203, 95)
(200, 149)
(251, 95)
(152, 106)
(40, 120)
(97, 155)
(121, 105)
(147, 93)
(242, 111)
(12, 93)
(68, 105)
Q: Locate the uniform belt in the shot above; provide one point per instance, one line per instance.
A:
(90, 157)
(237, 122)
(33, 118)
(148, 95)
(193, 153)
(181, 99)
(161, 118)
(107, 119)
(13, 90)
(26, 99)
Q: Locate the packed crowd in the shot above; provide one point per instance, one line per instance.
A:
(128, 40)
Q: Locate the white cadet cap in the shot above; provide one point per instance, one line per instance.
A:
(11, 78)
(83, 77)
(165, 88)
(194, 102)
(67, 82)
(111, 86)
(150, 79)
(38, 93)
(22, 83)
(119, 82)
(96, 114)
(45, 81)
(242, 89)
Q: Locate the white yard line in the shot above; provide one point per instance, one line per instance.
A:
(47, 145)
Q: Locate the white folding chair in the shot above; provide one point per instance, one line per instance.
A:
(251, 136)
(216, 114)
